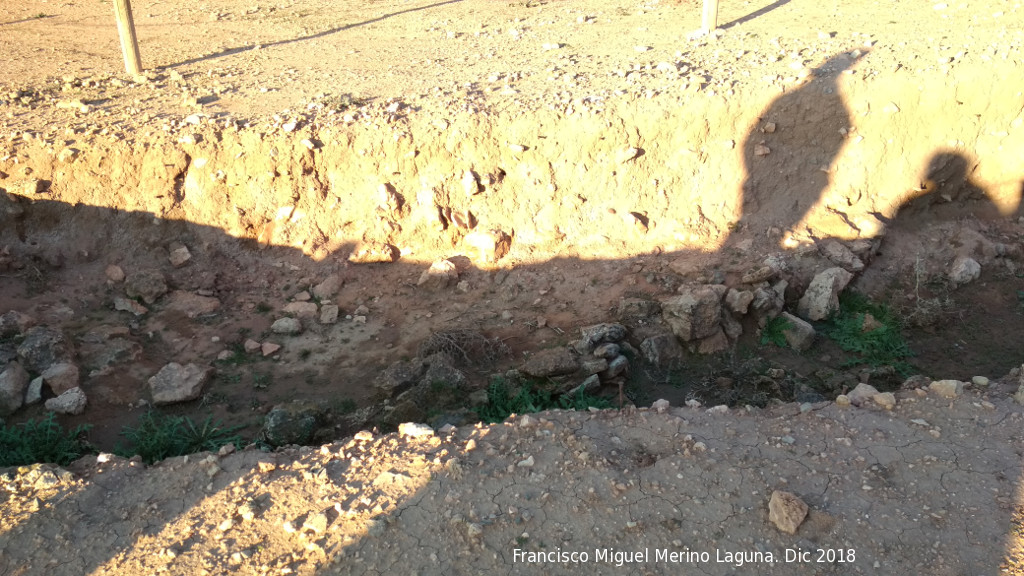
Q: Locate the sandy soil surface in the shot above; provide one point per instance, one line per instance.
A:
(623, 158)
(929, 487)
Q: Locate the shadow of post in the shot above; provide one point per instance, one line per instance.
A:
(33, 18)
(240, 49)
(755, 14)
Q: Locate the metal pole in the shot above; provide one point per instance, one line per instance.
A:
(129, 42)
(710, 16)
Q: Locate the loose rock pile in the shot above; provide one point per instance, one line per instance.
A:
(46, 354)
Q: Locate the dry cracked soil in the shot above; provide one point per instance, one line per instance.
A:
(554, 162)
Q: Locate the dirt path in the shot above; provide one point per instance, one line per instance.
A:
(930, 487)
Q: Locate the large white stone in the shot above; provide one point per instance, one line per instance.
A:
(821, 299)
(61, 377)
(177, 383)
(13, 382)
(695, 313)
(964, 270)
(786, 511)
(71, 402)
(798, 334)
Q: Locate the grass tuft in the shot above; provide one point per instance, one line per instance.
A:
(501, 403)
(43, 441)
(159, 436)
(772, 333)
(884, 345)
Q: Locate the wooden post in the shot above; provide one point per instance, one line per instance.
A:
(129, 43)
(710, 16)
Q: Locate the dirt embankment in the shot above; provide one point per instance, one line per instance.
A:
(835, 156)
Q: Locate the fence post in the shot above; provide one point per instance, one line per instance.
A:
(710, 16)
(126, 30)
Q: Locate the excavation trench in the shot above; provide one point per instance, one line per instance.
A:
(548, 221)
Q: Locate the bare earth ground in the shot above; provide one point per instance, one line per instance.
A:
(931, 487)
(259, 138)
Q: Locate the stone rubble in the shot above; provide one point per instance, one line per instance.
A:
(862, 394)
(61, 377)
(298, 310)
(799, 334)
(821, 299)
(947, 388)
(72, 401)
(149, 285)
(177, 383)
(964, 270)
(14, 381)
(287, 326)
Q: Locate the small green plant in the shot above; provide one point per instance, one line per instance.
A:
(211, 398)
(159, 436)
(582, 401)
(880, 345)
(345, 406)
(342, 102)
(501, 403)
(229, 379)
(261, 380)
(263, 308)
(42, 441)
(41, 15)
(774, 332)
(440, 387)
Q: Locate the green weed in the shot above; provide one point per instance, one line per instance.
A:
(42, 441)
(440, 387)
(261, 380)
(345, 406)
(342, 102)
(159, 436)
(884, 345)
(772, 333)
(501, 403)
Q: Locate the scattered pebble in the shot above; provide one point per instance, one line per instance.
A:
(786, 511)
(947, 388)
(414, 430)
(886, 400)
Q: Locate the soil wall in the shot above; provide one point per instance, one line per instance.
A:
(833, 155)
